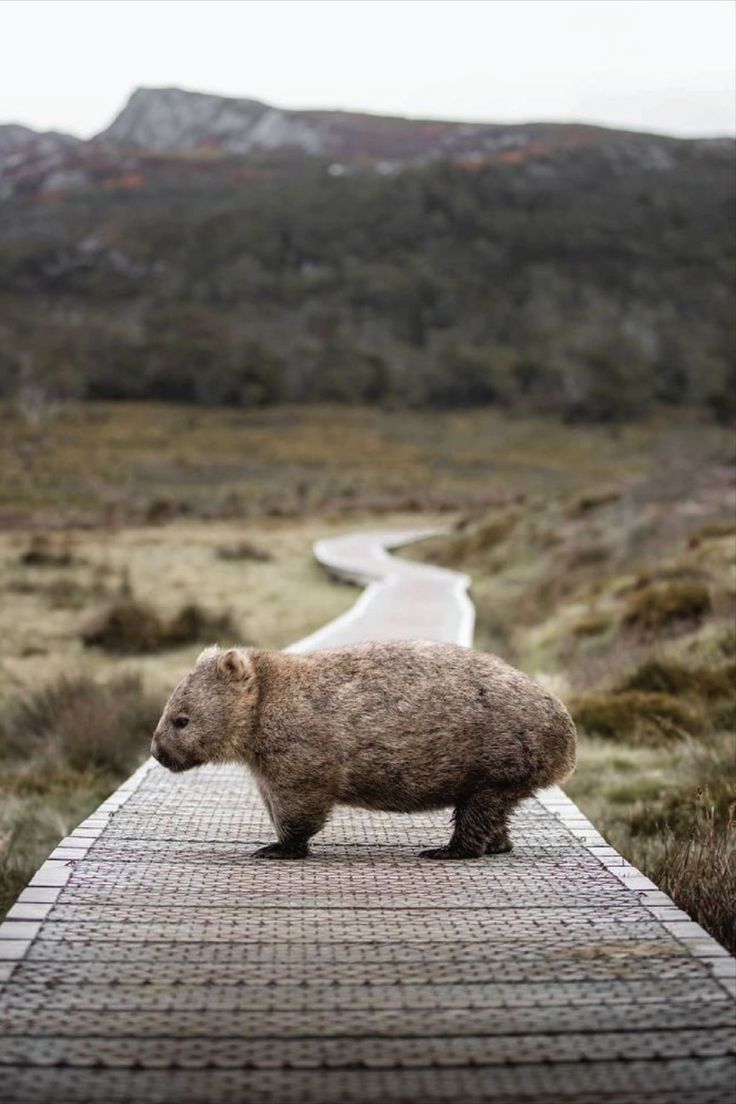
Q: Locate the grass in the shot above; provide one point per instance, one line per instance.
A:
(565, 531)
(637, 716)
(102, 463)
(128, 626)
(622, 600)
(75, 720)
(672, 607)
(63, 747)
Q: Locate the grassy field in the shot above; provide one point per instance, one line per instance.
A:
(622, 600)
(602, 561)
(75, 719)
(107, 464)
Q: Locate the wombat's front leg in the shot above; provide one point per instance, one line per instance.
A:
(480, 827)
(294, 828)
(294, 845)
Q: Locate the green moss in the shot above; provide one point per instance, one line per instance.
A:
(658, 608)
(636, 717)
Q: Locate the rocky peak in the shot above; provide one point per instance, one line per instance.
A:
(172, 119)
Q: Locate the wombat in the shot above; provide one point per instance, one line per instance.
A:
(402, 727)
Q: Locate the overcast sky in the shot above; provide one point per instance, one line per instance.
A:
(658, 65)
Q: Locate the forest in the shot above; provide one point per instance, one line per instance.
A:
(575, 284)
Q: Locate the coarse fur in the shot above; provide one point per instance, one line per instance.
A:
(402, 727)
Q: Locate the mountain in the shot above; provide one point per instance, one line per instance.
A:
(30, 159)
(170, 119)
(191, 133)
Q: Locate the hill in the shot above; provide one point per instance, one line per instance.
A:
(204, 249)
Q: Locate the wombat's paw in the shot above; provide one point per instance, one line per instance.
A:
(446, 853)
(499, 847)
(280, 851)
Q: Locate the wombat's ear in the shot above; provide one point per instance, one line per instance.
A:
(233, 666)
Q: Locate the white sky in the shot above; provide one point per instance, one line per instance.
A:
(658, 65)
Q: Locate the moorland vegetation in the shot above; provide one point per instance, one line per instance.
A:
(601, 557)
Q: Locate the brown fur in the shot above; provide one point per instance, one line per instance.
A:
(402, 727)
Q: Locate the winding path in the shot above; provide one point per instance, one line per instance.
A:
(150, 960)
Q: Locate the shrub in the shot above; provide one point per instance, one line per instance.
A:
(713, 531)
(658, 608)
(490, 533)
(670, 677)
(636, 717)
(129, 626)
(699, 874)
(43, 552)
(585, 503)
(469, 543)
(193, 624)
(243, 550)
(591, 624)
(126, 627)
(85, 724)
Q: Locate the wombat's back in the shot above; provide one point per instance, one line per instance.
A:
(414, 724)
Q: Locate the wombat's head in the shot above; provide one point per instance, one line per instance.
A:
(208, 714)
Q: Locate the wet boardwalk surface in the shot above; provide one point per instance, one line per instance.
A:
(151, 959)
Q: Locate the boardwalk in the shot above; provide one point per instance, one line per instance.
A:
(151, 960)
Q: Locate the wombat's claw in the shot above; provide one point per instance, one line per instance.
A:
(500, 847)
(445, 853)
(279, 851)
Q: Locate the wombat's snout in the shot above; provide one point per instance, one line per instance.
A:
(164, 757)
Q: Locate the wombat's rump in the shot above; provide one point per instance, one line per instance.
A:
(402, 727)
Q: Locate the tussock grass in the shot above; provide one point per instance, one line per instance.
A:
(591, 624)
(63, 747)
(81, 724)
(73, 724)
(130, 627)
(243, 551)
(592, 500)
(44, 551)
(635, 716)
(658, 609)
(675, 677)
(623, 603)
(699, 873)
(155, 462)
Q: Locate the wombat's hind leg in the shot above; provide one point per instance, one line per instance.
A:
(480, 827)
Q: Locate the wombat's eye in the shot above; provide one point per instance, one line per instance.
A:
(180, 722)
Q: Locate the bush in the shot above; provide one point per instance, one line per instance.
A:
(243, 550)
(586, 503)
(699, 874)
(636, 717)
(42, 552)
(658, 608)
(129, 627)
(84, 724)
(670, 677)
(126, 627)
(591, 624)
(193, 624)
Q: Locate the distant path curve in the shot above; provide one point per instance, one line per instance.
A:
(401, 601)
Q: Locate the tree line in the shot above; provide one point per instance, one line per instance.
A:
(569, 284)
